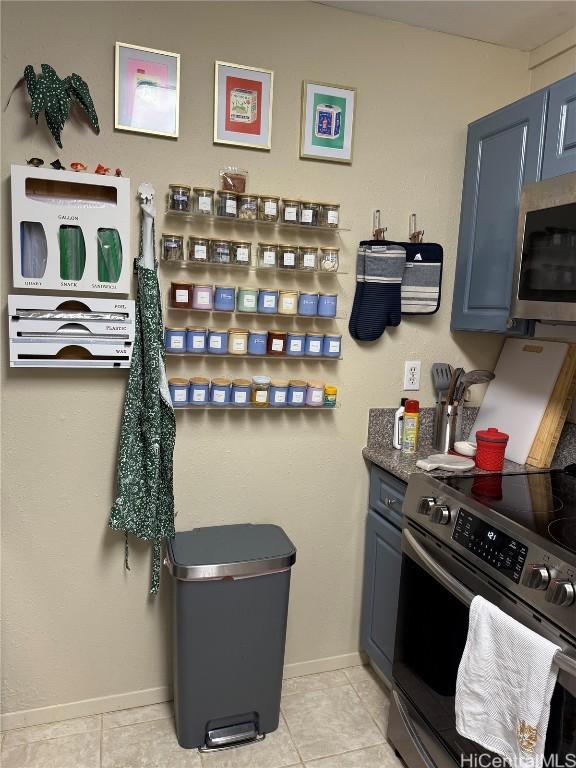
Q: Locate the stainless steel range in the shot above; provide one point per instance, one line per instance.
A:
(511, 539)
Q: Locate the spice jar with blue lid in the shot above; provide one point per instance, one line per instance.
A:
(178, 392)
(257, 342)
(327, 305)
(295, 344)
(224, 298)
(199, 391)
(220, 391)
(332, 345)
(268, 301)
(217, 342)
(308, 304)
(313, 345)
(175, 339)
(278, 393)
(296, 392)
(196, 340)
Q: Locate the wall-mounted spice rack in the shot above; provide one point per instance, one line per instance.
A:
(275, 315)
(250, 407)
(254, 223)
(240, 268)
(214, 355)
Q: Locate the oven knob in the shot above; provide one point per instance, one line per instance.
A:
(440, 514)
(561, 592)
(426, 505)
(537, 576)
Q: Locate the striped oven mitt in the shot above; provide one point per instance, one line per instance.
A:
(379, 270)
(422, 280)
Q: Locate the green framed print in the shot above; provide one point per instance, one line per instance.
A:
(327, 124)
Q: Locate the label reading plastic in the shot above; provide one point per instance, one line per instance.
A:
(215, 342)
(309, 260)
(269, 302)
(231, 206)
(288, 258)
(199, 252)
(199, 395)
(314, 345)
(306, 216)
(219, 395)
(296, 345)
(297, 397)
(333, 346)
(242, 253)
(277, 345)
(280, 397)
(204, 204)
(289, 213)
(332, 217)
(270, 208)
(177, 342)
(182, 296)
(249, 301)
(198, 342)
(180, 396)
(239, 397)
(262, 396)
(269, 257)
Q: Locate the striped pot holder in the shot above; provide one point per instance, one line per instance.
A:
(422, 279)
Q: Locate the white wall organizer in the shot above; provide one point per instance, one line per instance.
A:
(70, 231)
(70, 332)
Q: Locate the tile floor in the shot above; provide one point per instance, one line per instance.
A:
(330, 720)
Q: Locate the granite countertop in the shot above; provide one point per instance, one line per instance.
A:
(379, 448)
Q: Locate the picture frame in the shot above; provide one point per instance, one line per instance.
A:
(146, 90)
(243, 98)
(327, 122)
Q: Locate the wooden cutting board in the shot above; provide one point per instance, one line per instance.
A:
(517, 399)
(548, 435)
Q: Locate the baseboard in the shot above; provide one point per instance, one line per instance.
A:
(87, 707)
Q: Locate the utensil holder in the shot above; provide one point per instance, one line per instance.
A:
(447, 427)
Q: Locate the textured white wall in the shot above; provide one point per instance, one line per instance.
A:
(75, 626)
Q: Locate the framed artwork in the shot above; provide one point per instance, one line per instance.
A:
(147, 90)
(243, 105)
(327, 123)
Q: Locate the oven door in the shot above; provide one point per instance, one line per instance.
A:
(431, 633)
(545, 266)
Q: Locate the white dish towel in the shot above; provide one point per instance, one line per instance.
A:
(505, 682)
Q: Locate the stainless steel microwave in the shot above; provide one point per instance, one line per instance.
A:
(545, 265)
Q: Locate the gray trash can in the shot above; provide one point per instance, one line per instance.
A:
(231, 587)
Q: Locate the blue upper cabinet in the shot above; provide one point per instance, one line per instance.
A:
(560, 142)
(504, 152)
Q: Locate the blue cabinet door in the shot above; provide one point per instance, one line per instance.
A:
(503, 152)
(382, 565)
(560, 142)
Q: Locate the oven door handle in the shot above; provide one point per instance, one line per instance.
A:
(564, 661)
(415, 739)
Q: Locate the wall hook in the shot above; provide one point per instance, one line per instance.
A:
(414, 235)
(378, 232)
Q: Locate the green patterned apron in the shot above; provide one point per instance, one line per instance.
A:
(144, 505)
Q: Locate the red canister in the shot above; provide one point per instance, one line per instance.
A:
(490, 449)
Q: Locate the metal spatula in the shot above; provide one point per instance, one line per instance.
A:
(441, 375)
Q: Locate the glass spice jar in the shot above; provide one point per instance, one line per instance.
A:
(179, 197)
(309, 214)
(288, 256)
(308, 258)
(290, 211)
(288, 303)
(276, 345)
(227, 204)
(260, 390)
(268, 208)
(172, 247)
(198, 249)
(237, 341)
(181, 295)
(220, 251)
(241, 253)
(248, 207)
(329, 259)
(329, 215)
(267, 255)
(204, 201)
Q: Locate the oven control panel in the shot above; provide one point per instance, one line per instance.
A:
(497, 549)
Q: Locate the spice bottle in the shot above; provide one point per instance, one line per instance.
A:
(410, 427)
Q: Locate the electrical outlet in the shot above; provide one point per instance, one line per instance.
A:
(411, 375)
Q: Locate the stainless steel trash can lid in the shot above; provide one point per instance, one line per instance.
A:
(222, 551)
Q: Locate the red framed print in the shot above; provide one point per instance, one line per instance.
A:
(243, 105)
